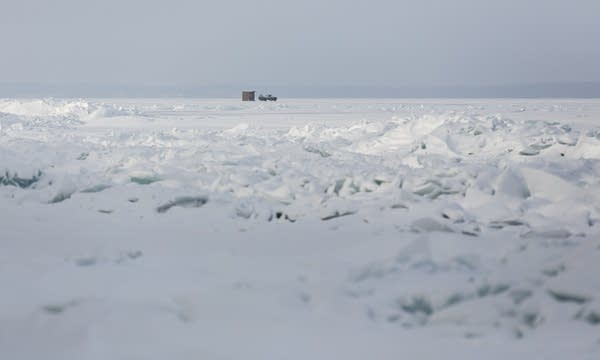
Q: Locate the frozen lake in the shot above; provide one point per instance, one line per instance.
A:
(300, 229)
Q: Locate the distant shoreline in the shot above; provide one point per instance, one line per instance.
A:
(575, 90)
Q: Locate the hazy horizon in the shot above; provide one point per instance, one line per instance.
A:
(540, 90)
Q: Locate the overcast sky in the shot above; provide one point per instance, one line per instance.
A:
(300, 42)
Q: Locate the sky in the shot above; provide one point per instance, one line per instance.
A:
(376, 43)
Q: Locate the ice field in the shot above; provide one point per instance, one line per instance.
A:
(301, 229)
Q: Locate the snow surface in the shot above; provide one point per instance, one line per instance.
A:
(302, 229)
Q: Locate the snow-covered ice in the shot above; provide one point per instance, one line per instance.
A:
(302, 229)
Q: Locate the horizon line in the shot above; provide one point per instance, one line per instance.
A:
(589, 89)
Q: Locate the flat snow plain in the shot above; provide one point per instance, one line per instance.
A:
(302, 229)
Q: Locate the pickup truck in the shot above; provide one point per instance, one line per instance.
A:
(268, 97)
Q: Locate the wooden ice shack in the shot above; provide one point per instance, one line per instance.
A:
(248, 95)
